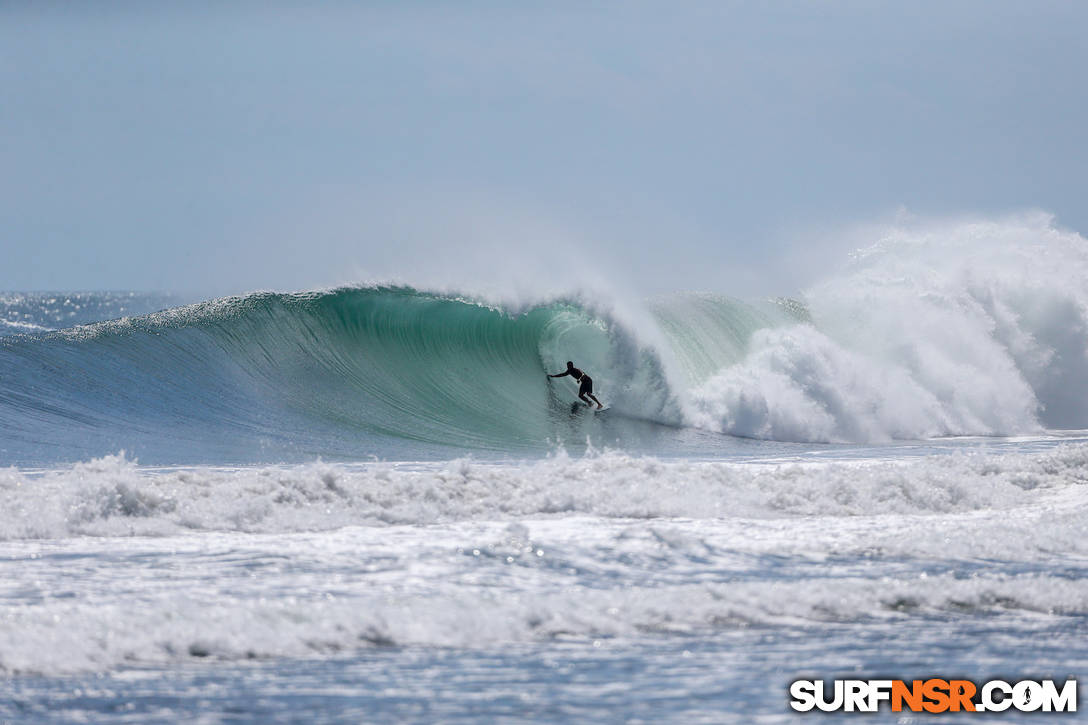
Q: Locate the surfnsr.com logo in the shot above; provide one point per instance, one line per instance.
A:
(934, 695)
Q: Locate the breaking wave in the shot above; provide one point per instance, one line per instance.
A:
(976, 328)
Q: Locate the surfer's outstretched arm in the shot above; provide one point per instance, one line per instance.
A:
(559, 375)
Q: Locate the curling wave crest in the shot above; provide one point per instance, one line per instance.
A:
(955, 329)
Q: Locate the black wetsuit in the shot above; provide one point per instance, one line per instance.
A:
(585, 382)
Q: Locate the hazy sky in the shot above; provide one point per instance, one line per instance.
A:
(189, 146)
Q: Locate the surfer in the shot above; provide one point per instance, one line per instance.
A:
(585, 386)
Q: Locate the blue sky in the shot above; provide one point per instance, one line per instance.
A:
(714, 145)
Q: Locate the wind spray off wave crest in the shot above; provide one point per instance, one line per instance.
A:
(974, 328)
(969, 328)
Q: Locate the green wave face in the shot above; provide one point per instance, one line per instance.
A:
(383, 371)
(419, 366)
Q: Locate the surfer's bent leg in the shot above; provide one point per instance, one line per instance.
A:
(586, 388)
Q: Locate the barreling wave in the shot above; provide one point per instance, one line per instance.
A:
(386, 371)
(975, 329)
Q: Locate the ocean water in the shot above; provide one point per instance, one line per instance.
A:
(369, 503)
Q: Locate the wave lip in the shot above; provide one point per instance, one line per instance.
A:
(955, 329)
(388, 371)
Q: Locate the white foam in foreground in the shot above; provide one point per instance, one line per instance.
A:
(98, 604)
(113, 496)
(323, 559)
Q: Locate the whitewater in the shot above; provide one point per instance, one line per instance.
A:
(370, 502)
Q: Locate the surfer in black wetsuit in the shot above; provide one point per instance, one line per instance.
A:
(585, 386)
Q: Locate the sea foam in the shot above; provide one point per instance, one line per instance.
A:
(115, 496)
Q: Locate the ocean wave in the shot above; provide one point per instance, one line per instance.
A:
(345, 372)
(323, 559)
(113, 496)
(962, 329)
(171, 626)
(946, 329)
